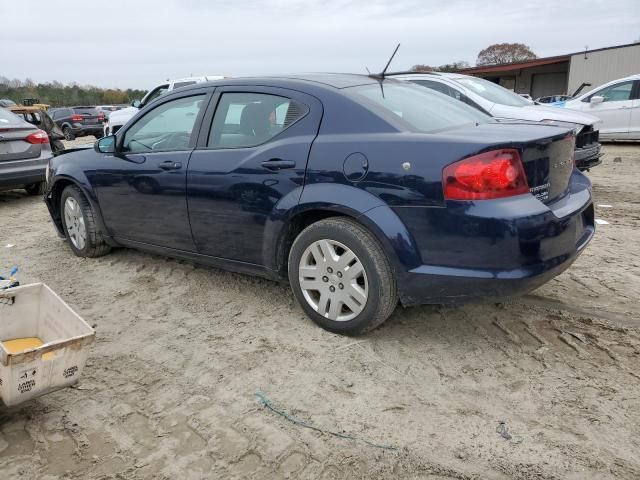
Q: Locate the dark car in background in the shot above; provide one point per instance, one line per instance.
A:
(360, 191)
(24, 154)
(78, 121)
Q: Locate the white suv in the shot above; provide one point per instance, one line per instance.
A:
(501, 103)
(118, 118)
(617, 104)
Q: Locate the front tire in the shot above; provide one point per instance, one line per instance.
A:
(341, 276)
(79, 224)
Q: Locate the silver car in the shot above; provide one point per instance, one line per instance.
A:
(24, 154)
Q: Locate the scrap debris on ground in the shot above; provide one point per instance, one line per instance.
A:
(168, 391)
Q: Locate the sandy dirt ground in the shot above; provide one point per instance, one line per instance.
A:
(181, 350)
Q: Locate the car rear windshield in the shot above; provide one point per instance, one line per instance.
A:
(417, 107)
(8, 119)
(86, 110)
(492, 92)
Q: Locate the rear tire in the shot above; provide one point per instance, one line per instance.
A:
(68, 134)
(79, 224)
(36, 188)
(325, 259)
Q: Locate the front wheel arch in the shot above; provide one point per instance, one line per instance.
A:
(53, 199)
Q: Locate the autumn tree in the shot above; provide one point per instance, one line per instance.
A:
(505, 53)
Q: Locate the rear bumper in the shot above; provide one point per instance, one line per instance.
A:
(82, 130)
(489, 250)
(21, 173)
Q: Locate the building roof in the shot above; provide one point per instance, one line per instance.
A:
(506, 67)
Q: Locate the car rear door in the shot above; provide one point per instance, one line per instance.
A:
(142, 188)
(252, 152)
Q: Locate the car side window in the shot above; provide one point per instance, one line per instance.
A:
(438, 87)
(168, 127)
(250, 119)
(614, 93)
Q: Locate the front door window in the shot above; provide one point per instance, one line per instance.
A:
(166, 128)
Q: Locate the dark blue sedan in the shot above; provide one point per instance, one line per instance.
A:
(361, 191)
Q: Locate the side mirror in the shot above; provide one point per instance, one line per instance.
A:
(136, 104)
(105, 144)
(596, 99)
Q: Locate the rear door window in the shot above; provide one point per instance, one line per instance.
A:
(250, 119)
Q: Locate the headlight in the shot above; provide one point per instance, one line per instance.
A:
(47, 172)
(575, 126)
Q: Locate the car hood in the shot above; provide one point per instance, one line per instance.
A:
(538, 113)
(120, 117)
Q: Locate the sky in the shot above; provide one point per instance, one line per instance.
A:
(139, 43)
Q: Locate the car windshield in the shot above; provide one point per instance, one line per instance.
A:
(493, 92)
(421, 108)
(8, 119)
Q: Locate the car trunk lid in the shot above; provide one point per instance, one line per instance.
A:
(548, 166)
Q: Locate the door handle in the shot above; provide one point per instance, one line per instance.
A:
(169, 165)
(278, 164)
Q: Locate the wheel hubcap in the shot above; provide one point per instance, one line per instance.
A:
(74, 221)
(333, 280)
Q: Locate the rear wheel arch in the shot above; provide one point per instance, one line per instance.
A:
(307, 216)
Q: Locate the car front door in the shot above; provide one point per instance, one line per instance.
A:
(142, 190)
(252, 152)
(614, 110)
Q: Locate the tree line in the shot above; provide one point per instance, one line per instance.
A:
(496, 54)
(58, 94)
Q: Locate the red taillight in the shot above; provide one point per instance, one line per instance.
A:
(38, 137)
(76, 118)
(101, 118)
(494, 174)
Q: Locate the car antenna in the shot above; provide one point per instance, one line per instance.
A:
(386, 67)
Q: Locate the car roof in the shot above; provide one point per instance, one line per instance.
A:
(427, 75)
(326, 80)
